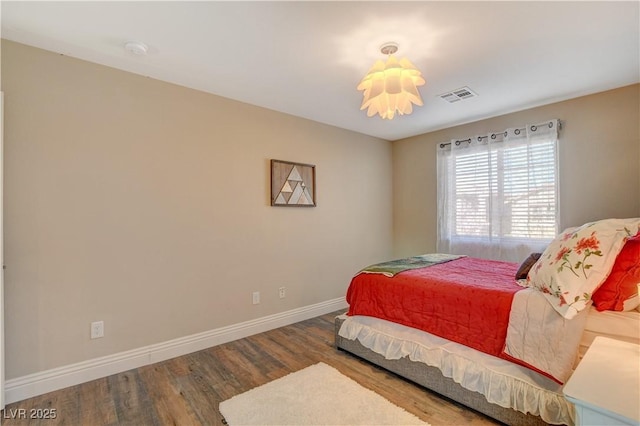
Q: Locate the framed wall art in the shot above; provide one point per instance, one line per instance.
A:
(293, 184)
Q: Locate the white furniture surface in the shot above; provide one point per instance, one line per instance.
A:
(605, 387)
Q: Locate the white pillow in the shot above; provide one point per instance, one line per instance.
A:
(578, 261)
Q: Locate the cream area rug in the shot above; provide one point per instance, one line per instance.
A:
(316, 395)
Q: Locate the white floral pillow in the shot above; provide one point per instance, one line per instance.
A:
(578, 261)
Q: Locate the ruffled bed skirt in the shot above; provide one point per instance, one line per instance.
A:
(501, 382)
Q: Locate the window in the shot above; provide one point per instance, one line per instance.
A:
(498, 194)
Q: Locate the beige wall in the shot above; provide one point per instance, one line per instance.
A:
(599, 153)
(146, 205)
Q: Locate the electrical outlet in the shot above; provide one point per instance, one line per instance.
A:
(97, 329)
(256, 297)
(282, 291)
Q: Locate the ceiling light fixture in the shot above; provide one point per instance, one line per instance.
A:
(392, 86)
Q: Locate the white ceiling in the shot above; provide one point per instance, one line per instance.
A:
(306, 58)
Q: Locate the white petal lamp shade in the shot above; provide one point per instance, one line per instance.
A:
(391, 88)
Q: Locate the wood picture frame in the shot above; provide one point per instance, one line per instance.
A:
(293, 184)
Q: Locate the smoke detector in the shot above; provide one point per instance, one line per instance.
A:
(136, 48)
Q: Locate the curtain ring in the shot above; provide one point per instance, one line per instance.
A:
(493, 135)
(517, 131)
(551, 124)
(534, 128)
(457, 143)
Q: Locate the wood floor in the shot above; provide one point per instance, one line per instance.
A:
(187, 390)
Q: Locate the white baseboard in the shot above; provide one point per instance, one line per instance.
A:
(36, 384)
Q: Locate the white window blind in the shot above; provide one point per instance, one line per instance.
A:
(498, 193)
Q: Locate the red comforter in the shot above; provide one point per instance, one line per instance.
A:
(466, 300)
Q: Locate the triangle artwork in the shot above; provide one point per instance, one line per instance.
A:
(292, 184)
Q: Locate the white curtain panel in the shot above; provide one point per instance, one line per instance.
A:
(498, 193)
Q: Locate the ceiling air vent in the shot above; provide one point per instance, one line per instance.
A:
(458, 94)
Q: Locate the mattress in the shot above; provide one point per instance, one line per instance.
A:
(502, 383)
(616, 325)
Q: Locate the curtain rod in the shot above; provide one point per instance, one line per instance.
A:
(494, 135)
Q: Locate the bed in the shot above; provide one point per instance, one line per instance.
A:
(386, 326)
